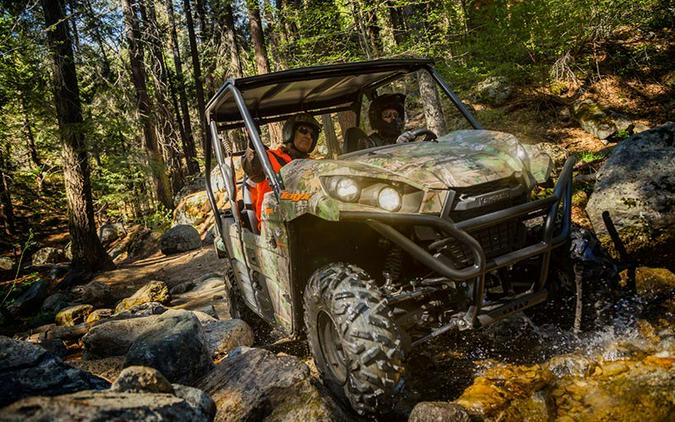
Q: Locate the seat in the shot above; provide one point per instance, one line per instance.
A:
(248, 209)
(353, 137)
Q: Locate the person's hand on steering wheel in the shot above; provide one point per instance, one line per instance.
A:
(411, 135)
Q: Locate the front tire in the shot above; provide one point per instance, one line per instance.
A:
(355, 342)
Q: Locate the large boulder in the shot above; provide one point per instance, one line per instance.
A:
(494, 90)
(28, 370)
(113, 338)
(636, 185)
(154, 291)
(110, 232)
(180, 238)
(30, 300)
(73, 315)
(192, 209)
(48, 255)
(206, 294)
(255, 384)
(174, 345)
(593, 119)
(104, 406)
(95, 293)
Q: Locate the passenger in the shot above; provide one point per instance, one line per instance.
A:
(299, 135)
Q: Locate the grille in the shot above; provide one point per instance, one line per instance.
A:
(496, 240)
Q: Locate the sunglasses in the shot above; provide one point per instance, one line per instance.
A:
(306, 130)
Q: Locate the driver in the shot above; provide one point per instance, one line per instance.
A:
(387, 117)
(299, 135)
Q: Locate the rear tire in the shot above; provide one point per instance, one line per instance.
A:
(355, 342)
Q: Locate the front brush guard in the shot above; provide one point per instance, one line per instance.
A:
(382, 223)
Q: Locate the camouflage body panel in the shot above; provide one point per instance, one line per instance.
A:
(459, 159)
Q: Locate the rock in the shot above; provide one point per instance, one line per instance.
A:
(142, 310)
(192, 209)
(175, 345)
(640, 388)
(6, 263)
(438, 412)
(193, 184)
(593, 119)
(183, 287)
(570, 364)
(73, 315)
(494, 90)
(636, 185)
(196, 398)
(154, 291)
(654, 281)
(28, 370)
(142, 244)
(99, 314)
(254, 384)
(111, 232)
(141, 379)
(180, 238)
(513, 392)
(68, 251)
(96, 293)
(104, 406)
(75, 277)
(223, 336)
(556, 153)
(107, 368)
(56, 302)
(207, 294)
(48, 255)
(113, 338)
(30, 300)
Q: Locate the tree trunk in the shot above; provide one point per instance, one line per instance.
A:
(7, 211)
(257, 37)
(331, 139)
(88, 253)
(433, 112)
(188, 141)
(161, 81)
(230, 36)
(397, 23)
(262, 65)
(34, 157)
(156, 161)
(373, 30)
(196, 69)
(346, 119)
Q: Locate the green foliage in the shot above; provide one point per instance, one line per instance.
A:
(591, 156)
(159, 220)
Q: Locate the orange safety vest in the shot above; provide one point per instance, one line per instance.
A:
(278, 158)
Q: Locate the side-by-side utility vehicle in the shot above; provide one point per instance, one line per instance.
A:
(371, 253)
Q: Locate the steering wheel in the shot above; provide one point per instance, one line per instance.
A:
(410, 136)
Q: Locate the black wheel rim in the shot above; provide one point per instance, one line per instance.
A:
(331, 347)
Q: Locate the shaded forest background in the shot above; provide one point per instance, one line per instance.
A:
(102, 101)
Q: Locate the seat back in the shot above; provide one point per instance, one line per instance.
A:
(353, 137)
(249, 209)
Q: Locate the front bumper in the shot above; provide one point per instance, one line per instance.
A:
(460, 232)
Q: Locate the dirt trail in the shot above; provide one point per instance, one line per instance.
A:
(172, 269)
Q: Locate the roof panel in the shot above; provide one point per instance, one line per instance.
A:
(306, 89)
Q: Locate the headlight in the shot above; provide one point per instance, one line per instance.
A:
(389, 199)
(347, 189)
(523, 156)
